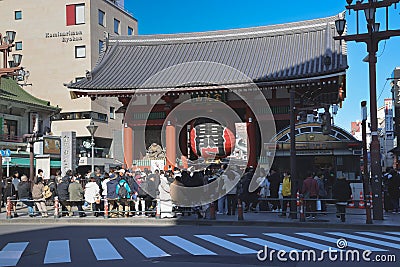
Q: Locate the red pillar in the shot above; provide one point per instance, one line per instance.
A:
(251, 142)
(128, 146)
(170, 137)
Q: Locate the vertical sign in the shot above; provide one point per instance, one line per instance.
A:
(33, 122)
(68, 153)
(388, 115)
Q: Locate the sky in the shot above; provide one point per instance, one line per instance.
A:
(176, 16)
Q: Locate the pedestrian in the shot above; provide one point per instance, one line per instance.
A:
(231, 178)
(393, 188)
(310, 194)
(286, 192)
(63, 193)
(92, 195)
(165, 197)
(16, 180)
(275, 180)
(75, 191)
(123, 192)
(25, 193)
(322, 193)
(52, 184)
(341, 191)
(112, 196)
(39, 197)
(9, 191)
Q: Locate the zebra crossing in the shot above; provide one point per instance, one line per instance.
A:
(102, 249)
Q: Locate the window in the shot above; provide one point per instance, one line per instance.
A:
(18, 45)
(130, 31)
(10, 129)
(116, 26)
(101, 18)
(112, 112)
(18, 15)
(80, 51)
(101, 45)
(75, 14)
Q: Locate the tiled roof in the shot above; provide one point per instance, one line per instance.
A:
(267, 54)
(11, 91)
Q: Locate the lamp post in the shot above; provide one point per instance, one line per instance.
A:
(371, 39)
(92, 129)
(32, 139)
(6, 45)
(365, 161)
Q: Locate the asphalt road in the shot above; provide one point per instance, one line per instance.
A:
(84, 245)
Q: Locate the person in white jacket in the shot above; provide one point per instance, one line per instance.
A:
(92, 193)
(165, 197)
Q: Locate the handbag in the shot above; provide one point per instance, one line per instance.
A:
(97, 200)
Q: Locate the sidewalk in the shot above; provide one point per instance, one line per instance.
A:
(355, 219)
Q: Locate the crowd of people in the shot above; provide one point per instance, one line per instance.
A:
(133, 192)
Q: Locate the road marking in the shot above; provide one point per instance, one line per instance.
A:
(380, 236)
(334, 240)
(269, 244)
(394, 233)
(104, 250)
(227, 244)
(299, 241)
(57, 252)
(148, 249)
(369, 240)
(188, 246)
(11, 253)
(237, 235)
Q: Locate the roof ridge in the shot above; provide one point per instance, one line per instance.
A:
(238, 33)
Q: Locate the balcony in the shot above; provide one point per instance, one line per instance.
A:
(11, 138)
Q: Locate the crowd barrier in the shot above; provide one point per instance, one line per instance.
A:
(300, 210)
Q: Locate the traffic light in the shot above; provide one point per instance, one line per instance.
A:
(326, 123)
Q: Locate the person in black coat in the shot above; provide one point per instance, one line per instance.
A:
(63, 194)
(9, 191)
(25, 194)
(341, 191)
(275, 180)
(393, 189)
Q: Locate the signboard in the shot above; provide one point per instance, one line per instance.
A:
(388, 115)
(51, 146)
(5, 153)
(43, 163)
(157, 165)
(68, 153)
(396, 87)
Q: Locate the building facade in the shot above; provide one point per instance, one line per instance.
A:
(60, 40)
(171, 72)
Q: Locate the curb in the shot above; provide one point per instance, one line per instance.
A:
(177, 222)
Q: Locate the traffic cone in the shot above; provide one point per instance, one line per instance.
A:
(361, 204)
(351, 204)
(298, 199)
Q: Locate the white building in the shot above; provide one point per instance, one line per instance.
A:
(59, 41)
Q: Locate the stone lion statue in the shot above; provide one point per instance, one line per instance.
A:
(155, 151)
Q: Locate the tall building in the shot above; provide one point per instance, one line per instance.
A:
(59, 41)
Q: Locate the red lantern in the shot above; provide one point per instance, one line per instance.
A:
(211, 140)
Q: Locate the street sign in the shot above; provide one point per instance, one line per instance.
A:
(5, 153)
(6, 159)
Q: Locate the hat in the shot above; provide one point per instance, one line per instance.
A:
(24, 178)
(121, 171)
(112, 175)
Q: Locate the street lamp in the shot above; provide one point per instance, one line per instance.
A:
(6, 44)
(371, 38)
(92, 129)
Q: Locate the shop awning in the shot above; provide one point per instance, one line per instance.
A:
(25, 163)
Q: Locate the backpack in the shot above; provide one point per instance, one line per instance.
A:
(47, 192)
(122, 192)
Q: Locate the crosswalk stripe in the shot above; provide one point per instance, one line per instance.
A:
(334, 240)
(11, 253)
(299, 241)
(393, 233)
(380, 236)
(369, 240)
(57, 252)
(237, 235)
(227, 244)
(269, 244)
(104, 250)
(148, 249)
(188, 246)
